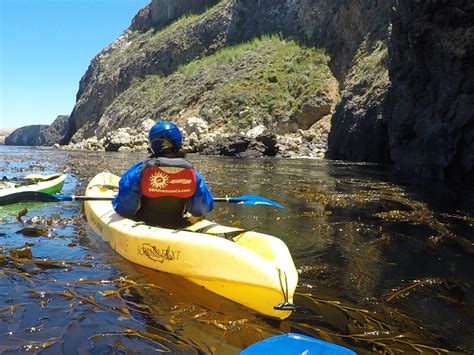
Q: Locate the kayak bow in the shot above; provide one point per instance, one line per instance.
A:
(12, 190)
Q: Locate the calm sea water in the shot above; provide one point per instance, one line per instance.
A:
(385, 263)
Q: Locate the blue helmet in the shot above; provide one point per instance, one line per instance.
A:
(164, 135)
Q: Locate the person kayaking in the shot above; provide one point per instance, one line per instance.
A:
(164, 189)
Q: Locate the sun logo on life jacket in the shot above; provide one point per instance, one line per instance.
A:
(158, 180)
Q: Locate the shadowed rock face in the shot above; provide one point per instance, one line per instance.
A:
(417, 109)
(28, 135)
(431, 102)
(55, 131)
(359, 129)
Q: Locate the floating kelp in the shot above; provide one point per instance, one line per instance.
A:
(323, 197)
(152, 340)
(454, 290)
(404, 291)
(313, 270)
(359, 328)
(33, 232)
(420, 214)
(23, 256)
(20, 214)
(143, 342)
(48, 226)
(23, 252)
(12, 308)
(54, 263)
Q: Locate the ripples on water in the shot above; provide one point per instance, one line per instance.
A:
(385, 263)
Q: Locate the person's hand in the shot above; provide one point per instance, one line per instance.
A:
(193, 219)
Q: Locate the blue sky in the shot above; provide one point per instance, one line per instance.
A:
(46, 47)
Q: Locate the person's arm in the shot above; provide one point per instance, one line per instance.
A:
(127, 201)
(202, 201)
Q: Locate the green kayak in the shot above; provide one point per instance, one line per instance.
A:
(50, 184)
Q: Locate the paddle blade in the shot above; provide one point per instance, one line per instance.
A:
(250, 200)
(27, 196)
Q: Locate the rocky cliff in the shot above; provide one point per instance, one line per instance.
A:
(431, 100)
(403, 70)
(162, 12)
(36, 135)
(422, 118)
(27, 135)
(5, 132)
(160, 51)
(55, 132)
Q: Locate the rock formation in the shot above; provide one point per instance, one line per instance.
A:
(37, 135)
(162, 12)
(420, 114)
(431, 100)
(27, 135)
(149, 49)
(5, 132)
(55, 132)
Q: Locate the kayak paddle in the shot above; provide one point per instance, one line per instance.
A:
(36, 196)
(249, 200)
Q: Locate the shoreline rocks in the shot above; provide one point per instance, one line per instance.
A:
(198, 138)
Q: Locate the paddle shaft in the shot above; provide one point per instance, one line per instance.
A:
(36, 196)
(224, 199)
(88, 198)
(100, 198)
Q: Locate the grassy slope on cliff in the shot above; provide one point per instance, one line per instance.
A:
(141, 44)
(264, 81)
(371, 66)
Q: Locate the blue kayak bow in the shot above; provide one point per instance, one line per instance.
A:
(293, 343)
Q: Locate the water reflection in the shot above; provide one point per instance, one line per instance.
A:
(385, 263)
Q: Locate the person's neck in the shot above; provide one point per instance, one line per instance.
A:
(165, 154)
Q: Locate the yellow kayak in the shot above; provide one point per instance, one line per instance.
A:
(250, 268)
